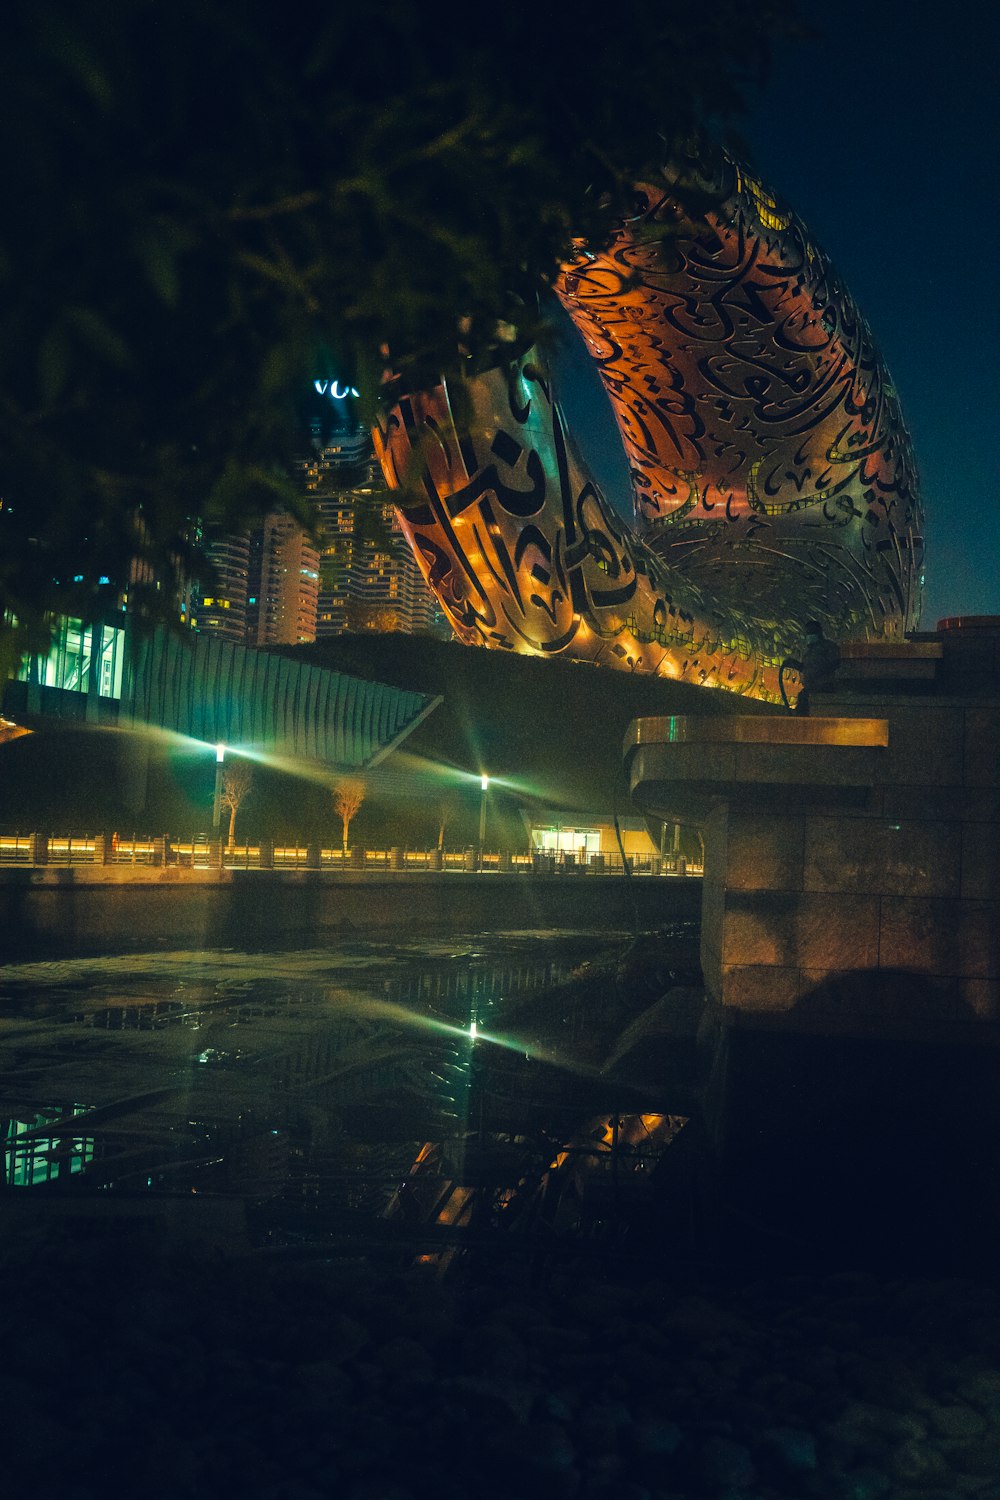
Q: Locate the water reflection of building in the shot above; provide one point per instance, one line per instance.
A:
(290, 1086)
(38, 1148)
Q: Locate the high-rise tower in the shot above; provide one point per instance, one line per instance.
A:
(284, 584)
(369, 578)
(219, 608)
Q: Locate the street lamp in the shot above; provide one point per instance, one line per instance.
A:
(484, 782)
(220, 755)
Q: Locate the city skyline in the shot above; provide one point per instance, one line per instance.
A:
(276, 585)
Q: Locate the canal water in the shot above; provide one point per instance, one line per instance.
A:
(306, 1079)
(297, 1091)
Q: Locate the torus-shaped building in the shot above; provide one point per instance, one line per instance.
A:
(772, 476)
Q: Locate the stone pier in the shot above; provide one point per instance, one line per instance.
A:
(850, 935)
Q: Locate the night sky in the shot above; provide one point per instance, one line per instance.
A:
(883, 136)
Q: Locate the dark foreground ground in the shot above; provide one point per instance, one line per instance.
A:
(611, 1370)
(296, 1380)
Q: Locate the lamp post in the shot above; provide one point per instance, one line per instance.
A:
(220, 755)
(484, 782)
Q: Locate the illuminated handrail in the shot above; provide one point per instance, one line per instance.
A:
(15, 848)
(201, 853)
(72, 849)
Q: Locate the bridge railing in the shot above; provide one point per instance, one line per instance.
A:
(200, 851)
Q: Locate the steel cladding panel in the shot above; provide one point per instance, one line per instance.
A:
(216, 691)
(772, 475)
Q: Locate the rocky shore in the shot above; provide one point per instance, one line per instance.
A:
(290, 1379)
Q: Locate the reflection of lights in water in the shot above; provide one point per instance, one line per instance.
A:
(33, 1156)
(417, 1065)
(205, 989)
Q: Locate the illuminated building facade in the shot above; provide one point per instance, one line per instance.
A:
(283, 584)
(84, 659)
(772, 477)
(275, 587)
(220, 608)
(369, 578)
(370, 583)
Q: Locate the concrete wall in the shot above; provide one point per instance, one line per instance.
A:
(259, 908)
(851, 954)
(906, 881)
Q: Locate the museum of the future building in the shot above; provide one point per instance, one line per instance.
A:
(772, 476)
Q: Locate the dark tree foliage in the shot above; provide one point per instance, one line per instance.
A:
(208, 205)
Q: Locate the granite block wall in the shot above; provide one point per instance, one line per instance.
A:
(904, 878)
